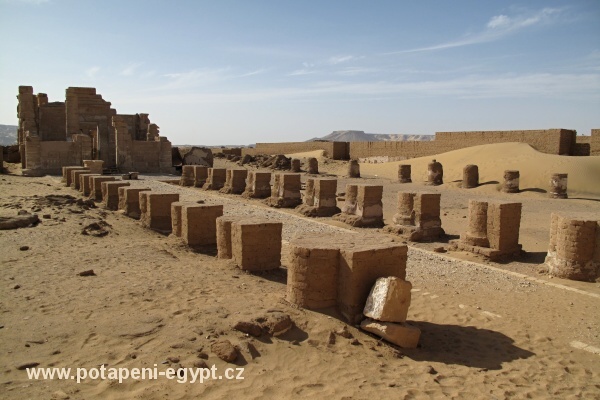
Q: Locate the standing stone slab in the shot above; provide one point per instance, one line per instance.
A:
(235, 181)
(215, 179)
(75, 181)
(404, 172)
(258, 185)
(200, 175)
(96, 186)
(110, 194)
(389, 300)
(156, 210)
(187, 175)
(199, 224)
(85, 183)
(129, 201)
(256, 244)
(285, 192)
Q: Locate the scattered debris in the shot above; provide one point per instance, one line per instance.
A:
(224, 350)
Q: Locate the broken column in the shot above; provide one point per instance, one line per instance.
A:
(470, 176)
(435, 173)
(368, 210)
(285, 192)
(176, 218)
(75, 177)
(200, 175)
(215, 179)
(66, 178)
(313, 165)
(96, 186)
(235, 181)
(511, 181)
(295, 165)
(386, 311)
(353, 169)
(258, 185)
(187, 175)
(85, 183)
(224, 236)
(574, 250)
(418, 217)
(129, 201)
(156, 210)
(493, 233)
(319, 198)
(256, 244)
(110, 194)
(558, 186)
(404, 171)
(199, 224)
(95, 166)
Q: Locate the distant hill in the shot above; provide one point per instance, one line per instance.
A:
(361, 136)
(8, 135)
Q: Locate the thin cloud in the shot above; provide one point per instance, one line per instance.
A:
(92, 72)
(34, 2)
(252, 73)
(195, 77)
(130, 69)
(497, 27)
(303, 71)
(341, 59)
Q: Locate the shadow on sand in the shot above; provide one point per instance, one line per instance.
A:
(464, 345)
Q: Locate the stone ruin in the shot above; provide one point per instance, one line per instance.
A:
(95, 166)
(85, 183)
(558, 186)
(52, 135)
(363, 206)
(313, 166)
(295, 165)
(67, 177)
(435, 173)
(200, 175)
(187, 175)
(511, 182)
(493, 230)
(353, 169)
(129, 201)
(75, 181)
(155, 210)
(255, 244)
(386, 311)
(319, 198)
(418, 217)
(285, 192)
(196, 224)
(215, 179)
(130, 176)
(110, 194)
(574, 249)
(258, 185)
(235, 181)
(404, 171)
(96, 186)
(326, 271)
(470, 176)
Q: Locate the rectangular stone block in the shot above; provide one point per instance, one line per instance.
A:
(388, 300)
(85, 183)
(285, 191)
(129, 201)
(95, 166)
(176, 221)
(325, 193)
(258, 185)
(96, 186)
(66, 171)
(75, 177)
(187, 175)
(110, 194)
(360, 267)
(256, 244)
(199, 224)
(504, 220)
(215, 179)
(235, 181)
(156, 210)
(400, 334)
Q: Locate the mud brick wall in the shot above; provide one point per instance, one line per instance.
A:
(52, 123)
(199, 224)
(582, 146)
(156, 210)
(334, 150)
(50, 157)
(595, 143)
(409, 149)
(256, 244)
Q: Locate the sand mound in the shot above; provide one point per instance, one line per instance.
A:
(318, 154)
(493, 159)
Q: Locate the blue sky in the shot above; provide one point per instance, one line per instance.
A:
(240, 72)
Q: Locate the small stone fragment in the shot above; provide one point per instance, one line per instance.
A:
(251, 328)
(224, 350)
(277, 323)
(89, 272)
(24, 248)
(24, 366)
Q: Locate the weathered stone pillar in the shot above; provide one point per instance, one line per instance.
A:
(435, 173)
(187, 175)
(511, 181)
(350, 199)
(368, 209)
(75, 180)
(558, 186)
(470, 176)
(319, 198)
(309, 192)
(110, 194)
(156, 210)
(313, 166)
(96, 186)
(199, 224)
(176, 221)
(404, 171)
(574, 250)
(477, 232)
(256, 244)
(129, 201)
(353, 169)
(295, 165)
(95, 166)
(258, 185)
(285, 191)
(200, 175)
(216, 179)
(405, 214)
(235, 181)
(224, 236)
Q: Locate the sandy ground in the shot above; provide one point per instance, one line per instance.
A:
(488, 330)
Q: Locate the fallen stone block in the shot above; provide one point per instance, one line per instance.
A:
(400, 334)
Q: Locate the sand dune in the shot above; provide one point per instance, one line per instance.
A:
(494, 159)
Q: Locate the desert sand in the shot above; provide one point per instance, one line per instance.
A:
(488, 330)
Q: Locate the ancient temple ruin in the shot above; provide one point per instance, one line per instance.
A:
(52, 135)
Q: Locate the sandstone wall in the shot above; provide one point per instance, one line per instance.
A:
(52, 123)
(595, 143)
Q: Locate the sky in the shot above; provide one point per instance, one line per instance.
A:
(241, 72)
